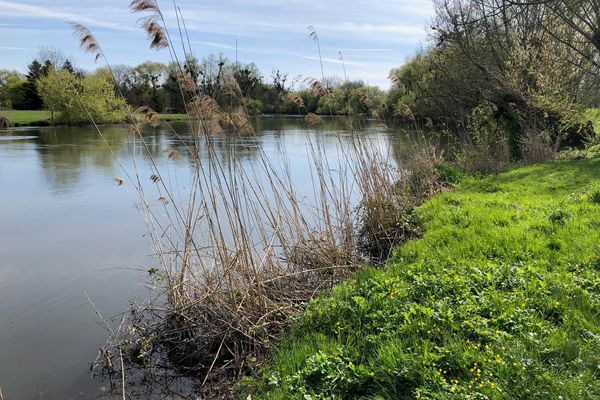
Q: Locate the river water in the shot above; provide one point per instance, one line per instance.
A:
(72, 241)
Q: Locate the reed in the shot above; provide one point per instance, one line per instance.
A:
(241, 253)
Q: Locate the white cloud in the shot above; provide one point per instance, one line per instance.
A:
(350, 50)
(332, 60)
(13, 9)
(12, 48)
(213, 44)
(367, 28)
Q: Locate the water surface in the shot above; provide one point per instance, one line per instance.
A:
(69, 232)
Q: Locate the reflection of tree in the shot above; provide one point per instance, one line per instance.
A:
(65, 152)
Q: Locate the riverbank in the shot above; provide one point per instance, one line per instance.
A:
(499, 299)
(19, 118)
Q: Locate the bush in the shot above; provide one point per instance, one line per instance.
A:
(80, 99)
(537, 148)
(486, 148)
(253, 106)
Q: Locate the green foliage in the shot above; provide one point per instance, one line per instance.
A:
(488, 149)
(534, 77)
(593, 115)
(449, 174)
(253, 106)
(500, 299)
(11, 89)
(79, 100)
(439, 83)
(351, 98)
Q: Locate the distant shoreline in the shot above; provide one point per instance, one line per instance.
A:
(42, 118)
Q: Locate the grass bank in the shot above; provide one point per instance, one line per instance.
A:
(44, 117)
(28, 117)
(499, 299)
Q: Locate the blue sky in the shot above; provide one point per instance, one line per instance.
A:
(373, 36)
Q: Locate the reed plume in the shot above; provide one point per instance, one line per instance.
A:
(394, 79)
(87, 41)
(151, 23)
(173, 154)
(151, 6)
(4, 122)
(151, 116)
(186, 83)
(297, 100)
(316, 86)
(315, 36)
(313, 120)
(428, 123)
(156, 34)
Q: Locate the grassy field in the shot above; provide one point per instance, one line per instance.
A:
(42, 117)
(500, 299)
(174, 117)
(26, 117)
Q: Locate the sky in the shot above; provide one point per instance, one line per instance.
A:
(373, 36)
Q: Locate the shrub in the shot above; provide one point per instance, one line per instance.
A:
(486, 148)
(80, 99)
(536, 147)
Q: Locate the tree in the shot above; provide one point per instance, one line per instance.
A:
(68, 66)
(78, 99)
(53, 56)
(11, 89)
(579, 17)
(32, 99)
(146, 82)
(250, 80)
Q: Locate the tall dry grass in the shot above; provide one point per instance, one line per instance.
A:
(242, 251)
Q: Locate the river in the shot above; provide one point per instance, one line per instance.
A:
(69, 232)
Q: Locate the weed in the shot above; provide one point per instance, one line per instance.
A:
(559, 216)
(595, 196)
(482, 310)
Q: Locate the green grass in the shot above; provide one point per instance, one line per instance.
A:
(27, 117)
(500, 299)
(174, 117)
(42, 117)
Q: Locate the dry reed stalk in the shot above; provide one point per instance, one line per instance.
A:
(243, 251)
(315, 36)
(313, 120)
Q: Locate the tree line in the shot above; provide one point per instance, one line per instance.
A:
(506, 74)
(498, 72)
(158, 86)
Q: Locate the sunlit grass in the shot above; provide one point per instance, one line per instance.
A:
(43, 117)
(174, 117)
(28, 117)
(500, 299)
